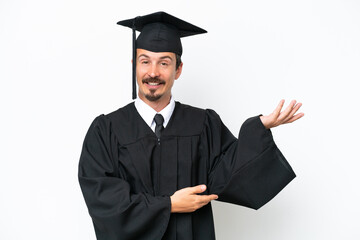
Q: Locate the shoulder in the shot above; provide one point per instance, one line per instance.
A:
(114, 122)
(190, 120)
(104, 120)
(189, 110)
(124, 113)
(196, 110)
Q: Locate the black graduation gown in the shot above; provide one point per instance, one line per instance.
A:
(126, 177)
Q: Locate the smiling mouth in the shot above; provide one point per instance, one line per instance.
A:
(153, 82)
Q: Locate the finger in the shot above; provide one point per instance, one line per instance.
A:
(293, 111)
(198, 189)
(295, 117)
(277, 110)
(287, 111)
(213, 197)
(205, 199)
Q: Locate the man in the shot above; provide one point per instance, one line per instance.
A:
(150, 169)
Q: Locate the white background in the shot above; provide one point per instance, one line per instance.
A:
(62, 63)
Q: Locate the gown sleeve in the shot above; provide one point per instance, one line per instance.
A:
(247, 171)
(117, 213)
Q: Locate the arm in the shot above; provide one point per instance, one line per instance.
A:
(116, 211)
(251, 170)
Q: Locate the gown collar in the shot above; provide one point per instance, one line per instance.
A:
(148, 113)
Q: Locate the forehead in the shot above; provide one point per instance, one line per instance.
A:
(145, 53)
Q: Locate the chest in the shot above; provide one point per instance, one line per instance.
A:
(161, 169)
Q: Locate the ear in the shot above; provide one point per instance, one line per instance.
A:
(131, 61)
(178, 71)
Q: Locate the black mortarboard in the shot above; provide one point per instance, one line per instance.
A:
(160, 32)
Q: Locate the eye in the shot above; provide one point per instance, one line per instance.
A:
(144, 62)
(164, 64)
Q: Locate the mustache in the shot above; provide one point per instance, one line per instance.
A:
(153, 80)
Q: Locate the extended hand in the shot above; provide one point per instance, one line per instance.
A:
(187, 200)
(277, 117)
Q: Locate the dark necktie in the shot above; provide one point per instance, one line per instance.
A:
(159, 120)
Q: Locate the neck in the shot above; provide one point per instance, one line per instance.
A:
(157, 105)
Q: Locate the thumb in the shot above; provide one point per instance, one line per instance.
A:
(198, 189)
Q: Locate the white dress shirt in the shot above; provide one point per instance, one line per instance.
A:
(148, 113)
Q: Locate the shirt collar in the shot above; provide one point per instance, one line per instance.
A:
(148, 113)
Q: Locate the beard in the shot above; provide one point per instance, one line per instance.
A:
(152, 96)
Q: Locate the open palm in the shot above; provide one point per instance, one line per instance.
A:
(278, 117)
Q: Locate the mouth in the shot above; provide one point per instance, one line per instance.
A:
(153, 83)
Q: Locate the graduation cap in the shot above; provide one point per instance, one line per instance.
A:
(160, 32)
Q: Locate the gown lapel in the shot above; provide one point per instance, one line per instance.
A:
(138, 138)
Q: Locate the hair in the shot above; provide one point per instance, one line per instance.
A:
(178, 61)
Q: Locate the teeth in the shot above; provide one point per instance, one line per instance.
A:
(153, 84)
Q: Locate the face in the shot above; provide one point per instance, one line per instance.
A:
(156, 73)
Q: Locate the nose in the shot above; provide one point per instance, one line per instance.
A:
(154, 71)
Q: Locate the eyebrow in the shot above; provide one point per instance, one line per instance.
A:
(146, 56)
(166, 57)
(143, 55)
